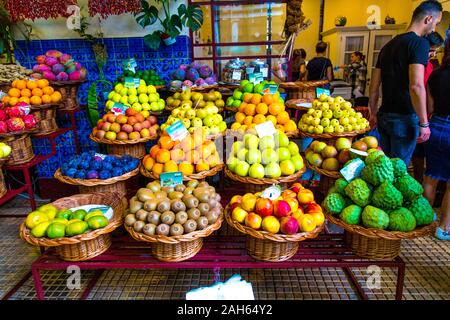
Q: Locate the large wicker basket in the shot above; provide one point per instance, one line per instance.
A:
(377, 244)
(134, 148)
(46, 117)
(69, 91)
(266, 246)
(197, 89)
(87, 245)
(21, 147)
(115, 184)
(176, 248)
(197, 176)
(302, 90)
(3, 188)
(333, 136)
(323, 172)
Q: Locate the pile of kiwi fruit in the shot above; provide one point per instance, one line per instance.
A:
(173, 211)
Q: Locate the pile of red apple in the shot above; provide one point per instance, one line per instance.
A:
(16, 119)
(132, 125)
(293, 212)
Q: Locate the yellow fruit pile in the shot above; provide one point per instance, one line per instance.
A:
(32, 92)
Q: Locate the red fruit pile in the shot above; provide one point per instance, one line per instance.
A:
(14, 119)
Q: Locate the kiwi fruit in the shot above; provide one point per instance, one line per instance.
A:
(175, 195)
(176, 229)
(177, 206)
(138, 226)
(135, 205)
(149, 229)
(202, 223)
(190, 201)
(154, 186)
(130, 219)
(181, 217)
(203, 184)
(160, 195)
(194, 213)
(154, 217)
(212, 203)
(144, 194)
(218, 197)
(151, 205)
(190, 226)
(204, 208)
(167, 189)
(180, 188)
(188, 190)
(192, 184)
(212, 217)
(141, 215)
(163, 206)
(168, 217)
(163, 229)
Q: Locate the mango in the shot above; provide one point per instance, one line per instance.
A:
(78, 214)
(97, 222)
(40, 230)
(56, 230)
(76, 228)
(34, 218)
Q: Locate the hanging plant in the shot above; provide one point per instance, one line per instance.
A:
(24, 9)
(105, 8)
(190, 16)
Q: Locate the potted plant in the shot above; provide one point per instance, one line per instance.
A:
(190, 16)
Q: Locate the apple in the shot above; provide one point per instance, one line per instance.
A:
(269, 156)
(281, 139)
(283, 154)
(298, 215)
(239, 214)
(242, 154)
(297, 160)
(252, 220)
(110, 135)
(293, 148)
(273, 170)
(248, 202)
(296, 187)
(236, 199)
(307, 223)
(238, 145)
(339, 129)
(106, 126)
(305, 196)
(312, 207)
(264, 207)
(251, 141)
(270, 224)
(281, 208)
(242, 168)
(128, 128)
(100, 134)
(289, 225)
(327, 114)
(256, 170)
(287, 168)
(122, 119)
(329, 129)
(343, 143)
(319, 147)
(334, 122)
(196, 122)
(232, 163)
(266, 142)
(253, 156)
(115, 127)
(318, 129)
(6, 150)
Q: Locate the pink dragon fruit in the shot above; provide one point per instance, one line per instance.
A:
(74, 76)
(40, 59)
(192, 75)
(3, 127)
(29, 121)
(211, 80)
(36, 68)
(15, 112)
(53, 53)
(42, 67)
(49, 75)
(51, 61)
(71, 67)
(57, 68)
(15, 124)
(195, 65)
(184, 67)
(200, 82)
(64, 58)
(77, 65)
(62, 76)
(188, 83)
(3, 115)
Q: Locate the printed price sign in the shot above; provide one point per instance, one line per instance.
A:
(272, 193)
(100, 156)
(171, 179)
(265, 72)
(320, 91)
(129, 64)
(132, 82)
(250, 70)
(265, 129)
(25, 107)
(118, 108)
(177, 131)
(353, 169)
(256, 78)
(270, 89)
(236, 75)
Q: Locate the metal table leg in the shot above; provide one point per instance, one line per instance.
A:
(38, 283)
(30, 191)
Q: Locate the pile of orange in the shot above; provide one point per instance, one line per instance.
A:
(256, 109)
(33, 92)
(191, 155)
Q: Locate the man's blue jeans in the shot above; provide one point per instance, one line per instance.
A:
(398, 134)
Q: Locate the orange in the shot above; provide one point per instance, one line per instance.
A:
(290, 126)
(37, 92)
(256, 98)
(13, 92)
(202, 166)
(280, 127)
(163, 156)
(177, 155)
(25, 93)
(46, 99)
(242, 106)
(248, 97)
(21, 84)
(267, 99)
(166, 142)
(235, 126)
(240, 117)
(272, 118)
(5, 99)
(42, 83)
(262, 108)
(250, 109)
(187, 144)
(259, 118)
(48, 90)
(186, 168)
(13, 101)
(157, 168)
(14, 83)
(35, 100)
(170, 166)
(192, 156)
(248, 120)
(276, 108)
(24, 99)
(56, 96)
(283, 117)
(154, 150)
(31, 84)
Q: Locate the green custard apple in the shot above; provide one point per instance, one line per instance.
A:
(399, 166)
(401, 220)
(410, 188)
(422, 211)
(334, 203)
(375, 218)
(378, 171)
(373, 156)
(340, 185)
(359, 192)
(387, 197)
(351, 214)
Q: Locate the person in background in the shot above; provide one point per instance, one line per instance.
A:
(299, 65)
(418, 159)
(437, 149)
(355, 74)
(319, 67)
(402, 119)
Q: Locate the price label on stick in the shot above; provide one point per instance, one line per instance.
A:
(132, 82)
(177, 131)
(272, 193)
(265, 129)
(320, 91)
(130, 64)
(353, 169)
(171, 179)
(118, 108)
(100, 156)
(270, 88)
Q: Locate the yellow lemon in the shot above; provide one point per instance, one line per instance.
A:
(34, 218)
(50, 210)
(97, 222)
(40, 230)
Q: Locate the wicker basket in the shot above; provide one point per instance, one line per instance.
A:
(87, 245)
(197, 176)
(115, 184)
(266, 246)
(237, 134)
(176, 248)
(293, 104)
(302, 90)
(197, 89)
(323, 172)
(377, 244)
(332, 135)
(46, 117)
(21, 148)
(69, 91)
(3, 188)
(134, 148)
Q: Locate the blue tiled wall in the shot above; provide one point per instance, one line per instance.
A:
(163, 61)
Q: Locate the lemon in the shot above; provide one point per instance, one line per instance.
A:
(40, 230)
(56, 230)
(50, 210)
(76, 228)
(78, 214)
(34, 218)
(61, 220)
(93, 214)
(97, 222)
(65, 214)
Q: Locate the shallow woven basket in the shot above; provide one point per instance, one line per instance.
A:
(3, 188)
(265, 181)
(69, 91)
(377, 244)
(266, 246)
(197, 89)
(115, 184)
(239, 135)
(332, 135)
(21, 148)
(302, 89)
(292, 104)
(328, 173)
(176, 248)
(46, 117)
(197, 176)
(87, 245)
(134, 148)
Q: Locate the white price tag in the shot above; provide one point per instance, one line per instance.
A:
(265, 129)
(236, 75)
(272, 193)
(177, 131)
(100, 155)
(265, 72)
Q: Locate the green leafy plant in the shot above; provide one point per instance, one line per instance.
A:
(187, 16)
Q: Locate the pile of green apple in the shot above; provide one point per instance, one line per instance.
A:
(5, 150)
(142, 98)
(332, 115)
(245, 87)
(266, 157)
(198, 111)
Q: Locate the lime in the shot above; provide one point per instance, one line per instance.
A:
(78, 214)
(93, 214)
(243, 83)
(230, 101)
(49, 209)
(40, 230)
(34, 218)
(236, 103)
(76, 228)
(64, 214)
(97, 222)
(248, 87)
(237, 95)
(56, 230)
(61, 220)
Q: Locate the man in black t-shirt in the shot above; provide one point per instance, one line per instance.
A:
(402, 118)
